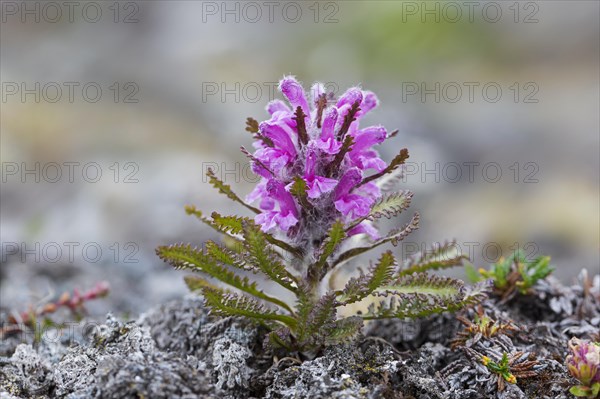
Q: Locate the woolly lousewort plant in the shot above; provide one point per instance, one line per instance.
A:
(322, 186)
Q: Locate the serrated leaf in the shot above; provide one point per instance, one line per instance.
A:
(224, 303)
(343, 330)
(222, 228)
(378, 275)
(394, 237)
(422, 295)
(264, 258)
(195, 283)
(226, 189)
(395, 163)
(280, 338)
(435, 258)
(228, 257)
(387, 206)
(186, 257)
(321, 315)
(390, 205)
(335, 236)
(298, 190)
(229, 224)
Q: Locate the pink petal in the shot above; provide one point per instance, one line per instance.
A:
(294, 92)
(277, 106)
(320, 185)
(365, 228)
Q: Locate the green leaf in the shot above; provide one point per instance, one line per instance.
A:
(298, 190)
(380, 274)
(228, 257)
(322, 313)
(395, 163)
(224, 303)
(335, 236)
(422, 295)
(387, 206)
(186, 257)
(280, 338)
(394, 237)
(196, 283)
(343, 330)
(304, 305)
(391, 205)
(533, 271)
(229, 224)
(226, 189)
(224, 224)
(580, 391)
(263, 256)
(595, 389)
(436, 258)
(472, 275)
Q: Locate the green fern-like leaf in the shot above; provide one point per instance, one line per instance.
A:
(233, 225)
(195, 283)
(394, 237)
(421, 295)
(436, 258)
(391, 205)
(228, 257)
(379, 275)
(393, 165)
(229, 224)
(343, 330)
(226, 225)
(226, 189)
(264, 258)
(322, 313)
(334, 238)
(224, 303)
(186, 257)
(298, 190)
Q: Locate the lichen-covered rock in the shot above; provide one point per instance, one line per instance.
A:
(26, 374)
(344, 371)
(178, 351)
(229, 359)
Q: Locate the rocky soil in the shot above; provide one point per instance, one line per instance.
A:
(178, 351)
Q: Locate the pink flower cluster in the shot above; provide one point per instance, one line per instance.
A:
(584, 361)
(310, 139)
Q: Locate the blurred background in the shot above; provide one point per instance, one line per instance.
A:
(112, 111)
